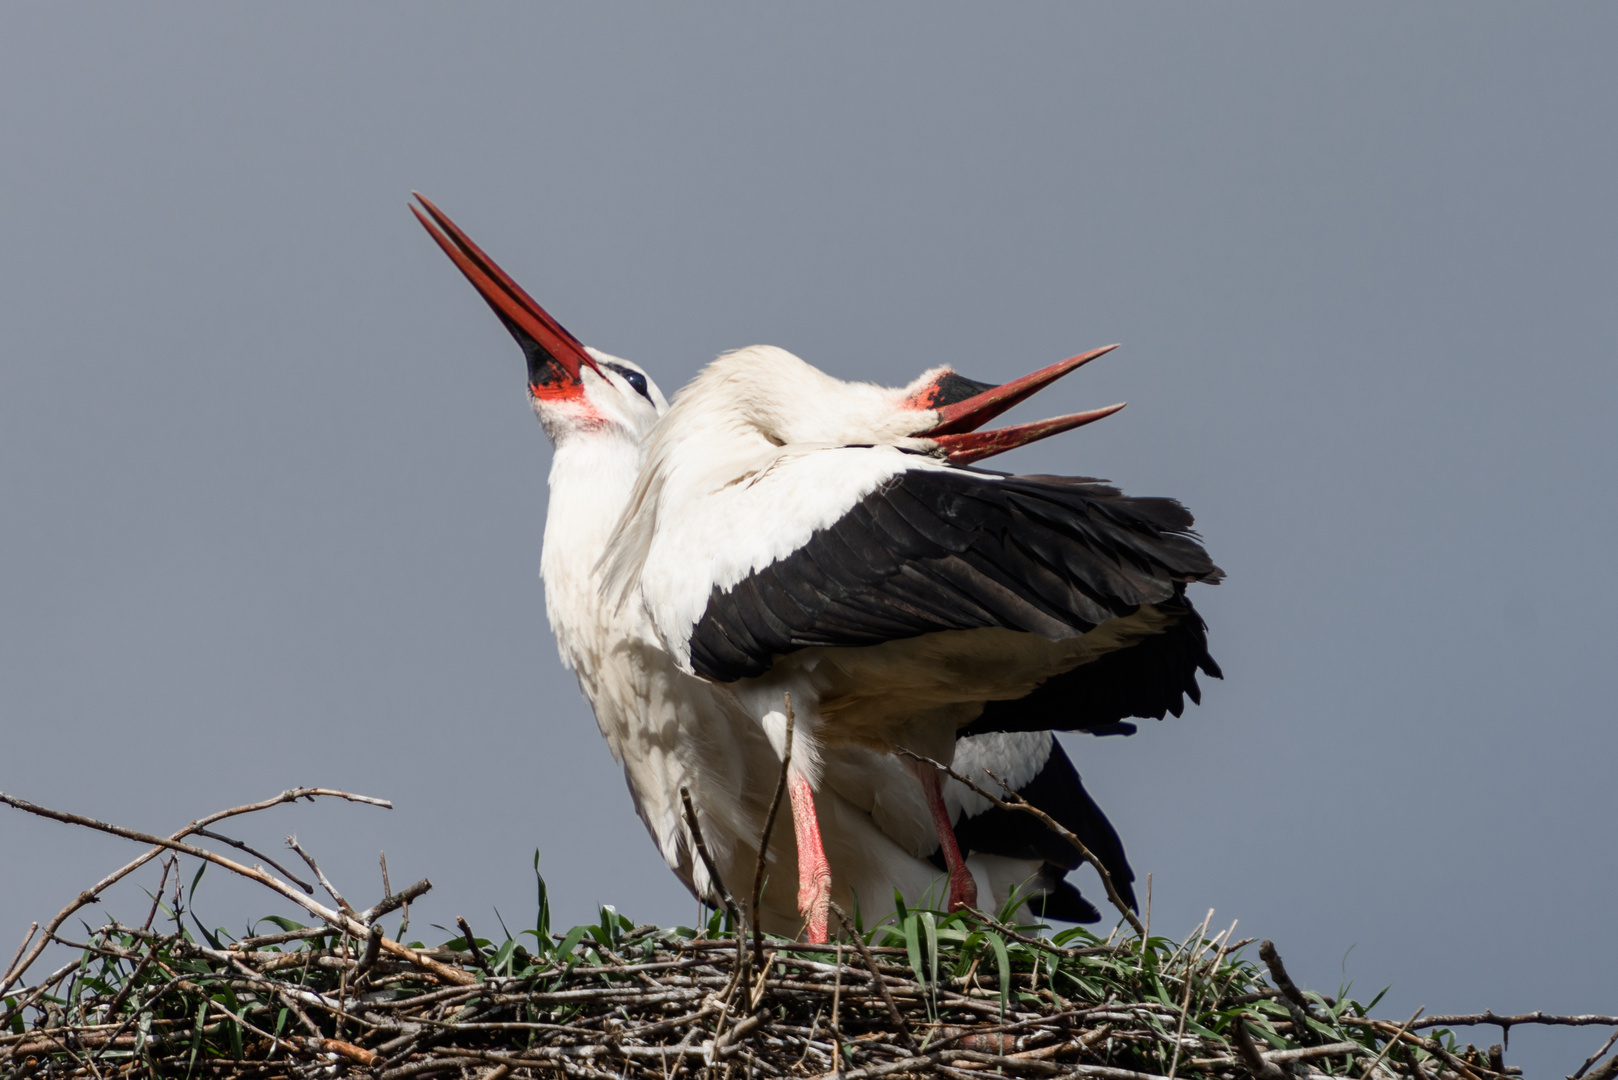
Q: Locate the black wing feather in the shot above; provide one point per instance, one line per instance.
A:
(1149, 679)
(961, 549)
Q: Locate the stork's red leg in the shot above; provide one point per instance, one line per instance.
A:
(963, 889)
(814, 872)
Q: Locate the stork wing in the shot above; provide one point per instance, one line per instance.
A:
(922, 548)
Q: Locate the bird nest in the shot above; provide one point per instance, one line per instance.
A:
(962, 994)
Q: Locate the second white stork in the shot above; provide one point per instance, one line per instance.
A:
(795, 535)
(673, 729)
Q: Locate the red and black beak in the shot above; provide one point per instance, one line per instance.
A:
(959, 417)
(555, 357)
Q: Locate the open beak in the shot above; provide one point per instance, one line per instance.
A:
(555, 357)
(955, 431)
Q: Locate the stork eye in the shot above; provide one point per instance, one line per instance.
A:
(635, 379)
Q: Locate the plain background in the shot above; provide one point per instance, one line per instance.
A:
(271, 500)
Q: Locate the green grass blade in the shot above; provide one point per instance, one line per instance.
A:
(1002, 958)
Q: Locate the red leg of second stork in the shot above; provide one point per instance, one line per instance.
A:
(963, 889)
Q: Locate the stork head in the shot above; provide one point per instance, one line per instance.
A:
(576, 391)
(948, 409)
(765, 396)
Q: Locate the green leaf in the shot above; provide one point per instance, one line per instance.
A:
(542, 921)
(929, 926)
(196, 1036)
(912, 936)
(502, 958)
(543, 943)
(612, 926)
(1074, 933)
(968, 949)
(564, 951)
(1003, 960)
(1008, 912)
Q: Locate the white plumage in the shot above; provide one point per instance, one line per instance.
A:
(689, 585)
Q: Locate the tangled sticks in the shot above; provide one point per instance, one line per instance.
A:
(953, 995)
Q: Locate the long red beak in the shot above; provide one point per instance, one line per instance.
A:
(969, 446)
(555, 357)
(955, 432)
(979, 409)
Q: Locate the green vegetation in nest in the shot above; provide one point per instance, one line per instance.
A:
(961, 995)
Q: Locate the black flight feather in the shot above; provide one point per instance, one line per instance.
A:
(961, 549)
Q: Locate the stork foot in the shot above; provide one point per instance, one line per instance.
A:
(814, 872)
(963, 889)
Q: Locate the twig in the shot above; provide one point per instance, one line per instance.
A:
(282, 938)
(835, 1022)
(472, 945)
(1309, 1053)
(1432, 1046)
(1370, 1069)
(949, 1036)
(239, 846)
(1261, 1067)
(1017, 802)
(1291, 996)
(392, 901)
(172, 863)
(5, 980)
(1487, 1017)
(1607, 1071)
(1185, 1000)
(174, 905)
(90, 895)
(320, 876)
(717, 882)
(764, 839)
(876, 976)
(1043, 944)
(373, 949)
(1278, 973)
(1595, 1057)
(1224, 944)
(1146, 930)
(340, 919)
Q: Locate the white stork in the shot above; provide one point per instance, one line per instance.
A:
(690, 697)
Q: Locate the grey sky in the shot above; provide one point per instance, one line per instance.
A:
(272, 498)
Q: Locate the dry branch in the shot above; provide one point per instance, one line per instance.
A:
(90, 895)
(764, 836)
